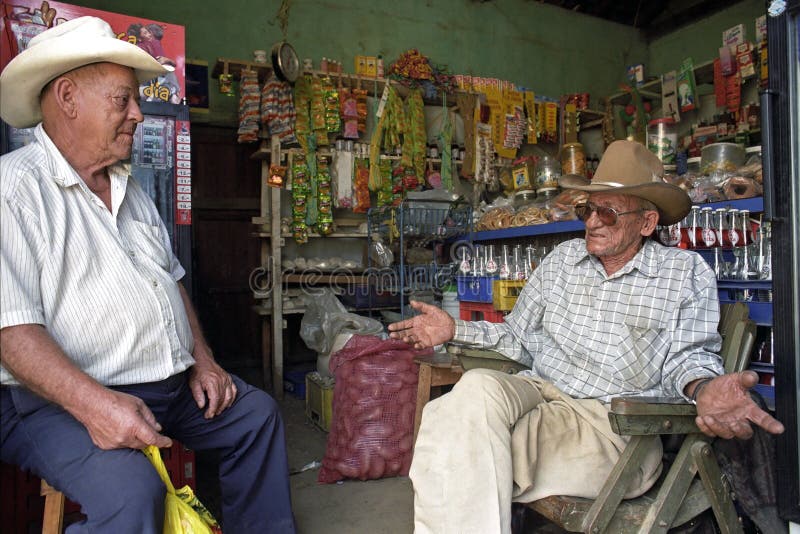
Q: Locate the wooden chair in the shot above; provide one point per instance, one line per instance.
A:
(53, 519)
(680, 494)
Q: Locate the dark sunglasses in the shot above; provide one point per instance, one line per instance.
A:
(607, 216)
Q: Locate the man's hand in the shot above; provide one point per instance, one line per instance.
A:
(433, 326)
(725, 409)
(207, 378)
(123, 421)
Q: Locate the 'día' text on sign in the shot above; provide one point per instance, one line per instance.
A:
(155, 90)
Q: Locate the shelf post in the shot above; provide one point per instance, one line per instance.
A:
(275, 270)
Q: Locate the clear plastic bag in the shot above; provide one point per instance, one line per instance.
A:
(326, 317)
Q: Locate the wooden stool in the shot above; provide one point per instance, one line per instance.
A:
(434, 370)
(53, 520)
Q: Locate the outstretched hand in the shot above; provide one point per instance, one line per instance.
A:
(433, 326)
(725, 409)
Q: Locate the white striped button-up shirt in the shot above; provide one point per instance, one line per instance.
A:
(103, 283)
(649, 329)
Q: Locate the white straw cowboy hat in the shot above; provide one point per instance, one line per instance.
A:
(629, 168)
(72, 44)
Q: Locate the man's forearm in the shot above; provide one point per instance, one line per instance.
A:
(37, 362)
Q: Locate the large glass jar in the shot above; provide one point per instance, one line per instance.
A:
(662, 139)
(573, 160)
(548, 171)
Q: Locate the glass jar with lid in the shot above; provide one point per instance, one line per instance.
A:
(573, 159)
(548, 171)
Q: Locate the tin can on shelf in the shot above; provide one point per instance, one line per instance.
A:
(662, 139)
(573, 160)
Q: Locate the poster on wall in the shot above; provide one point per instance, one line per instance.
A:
(21, 20)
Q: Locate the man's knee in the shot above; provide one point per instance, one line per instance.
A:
(126, 491)
(258, 408)
(477, 383)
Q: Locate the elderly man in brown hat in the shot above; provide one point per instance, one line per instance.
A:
(102, 352)
(612, 314)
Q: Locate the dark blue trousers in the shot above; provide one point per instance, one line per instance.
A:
(120, 491)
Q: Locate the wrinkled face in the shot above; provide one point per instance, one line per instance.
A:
(620, 238)
(108, 110)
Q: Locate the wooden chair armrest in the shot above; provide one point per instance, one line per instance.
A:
(638, 416)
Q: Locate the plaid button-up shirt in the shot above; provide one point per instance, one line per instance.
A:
(648, 329)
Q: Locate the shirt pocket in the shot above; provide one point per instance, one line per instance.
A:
(642, 346)
(150, 244)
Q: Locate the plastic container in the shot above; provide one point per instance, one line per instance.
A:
(662, 139)
(475, 288)
(723, 157)
(505, 293)
(524, 198)
(479, 311)
(450, 303)
(573, 160)
(693, 166)
(548, 171)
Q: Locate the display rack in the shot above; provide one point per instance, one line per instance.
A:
(419, 224)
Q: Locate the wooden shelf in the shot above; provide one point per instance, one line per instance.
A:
(335, 235)
(235, 67)
(703, 75)
(754, 205)
(321, 278)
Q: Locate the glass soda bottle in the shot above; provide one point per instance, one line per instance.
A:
(505, 264)
(490, 261)
(733, 232)
(708, 233)
(690, 228)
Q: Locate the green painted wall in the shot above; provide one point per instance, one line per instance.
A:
(701, 40)
(548, 49)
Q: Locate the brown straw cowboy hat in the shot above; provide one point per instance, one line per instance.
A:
(629, 168)
(62, 48)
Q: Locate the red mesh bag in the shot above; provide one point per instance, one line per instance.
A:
(374, 400)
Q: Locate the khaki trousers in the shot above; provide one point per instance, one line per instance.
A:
(498, 437)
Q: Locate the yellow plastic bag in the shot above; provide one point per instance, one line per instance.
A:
(184, 513)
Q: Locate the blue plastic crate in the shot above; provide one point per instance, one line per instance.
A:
(294, 382)
(475, 288)
(760, 310)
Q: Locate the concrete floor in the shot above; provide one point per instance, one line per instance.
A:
(376, 506)
(353, 507)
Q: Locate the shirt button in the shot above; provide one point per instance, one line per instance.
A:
(131, 253)
(155, 284)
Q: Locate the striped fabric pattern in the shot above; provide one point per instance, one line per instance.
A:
(103, 283)
(649, 329)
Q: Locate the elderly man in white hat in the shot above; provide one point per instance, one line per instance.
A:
(612, 314)
(102, 352)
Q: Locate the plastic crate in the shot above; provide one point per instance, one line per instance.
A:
(505, 293)
(475, 311)
(475, 288)
(319, 400)
(294, 382)
(760, 309)
(181, 465)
